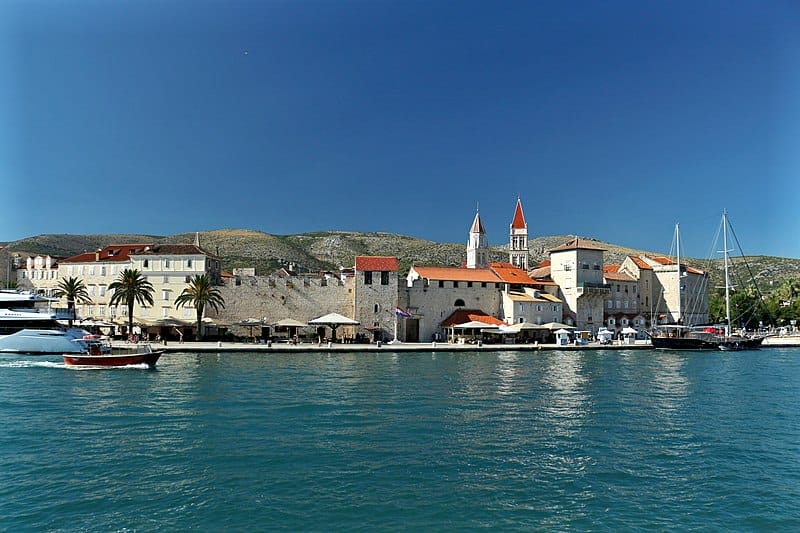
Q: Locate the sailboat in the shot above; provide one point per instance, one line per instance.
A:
(705, 337)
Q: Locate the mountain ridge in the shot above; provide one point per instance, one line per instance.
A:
(331, 250)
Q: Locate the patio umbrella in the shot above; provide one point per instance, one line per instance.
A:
(557, 325)
(333, 321)
(291, 325)
(249, 323)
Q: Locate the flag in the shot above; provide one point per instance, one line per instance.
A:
(401, 313)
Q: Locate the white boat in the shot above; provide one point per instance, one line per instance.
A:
(27, 328)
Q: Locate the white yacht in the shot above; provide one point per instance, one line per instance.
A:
(28, 328)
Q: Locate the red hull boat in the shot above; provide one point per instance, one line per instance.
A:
(106, 356)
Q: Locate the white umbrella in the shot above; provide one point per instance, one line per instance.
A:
(629, 331)
(333, 320)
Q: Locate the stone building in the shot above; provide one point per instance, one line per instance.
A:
(577, 268)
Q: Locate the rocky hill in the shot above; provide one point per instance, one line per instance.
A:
(335, 249)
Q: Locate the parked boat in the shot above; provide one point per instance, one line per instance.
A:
(26, 327)
(704, 337)
(100, 354)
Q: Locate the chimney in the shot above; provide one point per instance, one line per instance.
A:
(97, 255)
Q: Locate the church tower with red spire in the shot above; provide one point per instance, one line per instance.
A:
(518, 239)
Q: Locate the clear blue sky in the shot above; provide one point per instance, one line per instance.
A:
(611, 120)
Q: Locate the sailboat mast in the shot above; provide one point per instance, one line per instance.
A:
(727, 278)
(678, 248)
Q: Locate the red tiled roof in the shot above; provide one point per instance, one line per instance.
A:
(114, 252)
(511, 274)
(577, 244)
(662, 260)
(618, 276)
(519, 217)
(376, 263)
(457, 274)
(539, 273)
(611, 268)
(544, 263)
(462, 316)
(641, 263)
(172, 249)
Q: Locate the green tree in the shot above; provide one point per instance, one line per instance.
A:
(130, 288)
(74, 290)
(200, 293)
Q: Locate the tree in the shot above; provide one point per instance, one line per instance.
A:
(130, 288)
(200, 293)
(74, 290)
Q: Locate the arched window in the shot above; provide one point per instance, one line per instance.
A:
(377, 308)
(459, 303)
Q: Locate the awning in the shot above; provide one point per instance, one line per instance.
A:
(289, 323)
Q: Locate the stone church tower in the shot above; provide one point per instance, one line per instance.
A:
(518, 239)
(477, 246)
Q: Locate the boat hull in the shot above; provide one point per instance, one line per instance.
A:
(689, 343)
(113, 360)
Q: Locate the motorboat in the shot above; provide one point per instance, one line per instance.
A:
(27, 327)
(100, 354)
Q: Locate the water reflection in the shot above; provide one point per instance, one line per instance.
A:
(566, 401)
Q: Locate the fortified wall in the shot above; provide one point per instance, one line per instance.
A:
(274, 298)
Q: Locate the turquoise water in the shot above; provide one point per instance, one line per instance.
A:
(607, 441)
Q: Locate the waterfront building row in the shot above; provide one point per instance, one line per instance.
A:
(573, 286)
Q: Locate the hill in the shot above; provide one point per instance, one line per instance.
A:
(334, 249)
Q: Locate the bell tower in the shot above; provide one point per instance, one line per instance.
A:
(518, 239)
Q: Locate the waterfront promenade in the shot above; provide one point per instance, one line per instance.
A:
(284, 348)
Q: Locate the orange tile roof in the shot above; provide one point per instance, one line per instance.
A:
(540, 273)
(519, 217)
(577, 244)
(663, 260)
(114, 252)
(456, 274)
(462, 316)
(618, 276)
(544, 263)
(611, 268)
(511, 274)
(376, 263)
(641, 263)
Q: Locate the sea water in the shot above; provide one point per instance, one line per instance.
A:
(568, 441)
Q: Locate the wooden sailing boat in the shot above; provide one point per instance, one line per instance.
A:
(703, 337)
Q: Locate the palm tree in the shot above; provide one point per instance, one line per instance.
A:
(200, 293)
(74, 290)
(130, 288)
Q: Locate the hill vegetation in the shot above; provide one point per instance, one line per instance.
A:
(313, 252)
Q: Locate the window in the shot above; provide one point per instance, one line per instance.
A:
(101, 290)
(384, 277)
(165, 312)
(146, 263)
(166, 263)
(91, 290)
(539, 307)
(188, 263)
(113, 270)
(80, 270)
(585, 266)
(368, 278)
(101, 310)
(611, 304)
(469, 284)
(377, 309)
(102, 270)
(441, 283)
(617, 287)
(619, 304)
(91, 270)
(166, 280)
(69, 270)
(455, 284)
(165, 295)
(459, 303)
(483, 284)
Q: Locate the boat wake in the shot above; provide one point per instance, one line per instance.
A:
(31, 364)
(138, 366)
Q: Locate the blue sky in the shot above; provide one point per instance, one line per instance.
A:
(611, 120)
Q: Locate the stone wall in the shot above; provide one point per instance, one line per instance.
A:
(273, 298)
